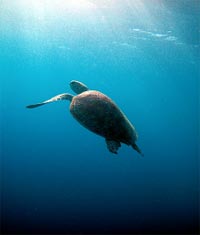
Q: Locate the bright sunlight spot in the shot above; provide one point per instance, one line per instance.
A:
(78, 4)
(69, 5)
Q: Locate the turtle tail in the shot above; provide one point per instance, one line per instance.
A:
(134, 146)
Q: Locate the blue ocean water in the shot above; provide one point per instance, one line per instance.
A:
(56, 176)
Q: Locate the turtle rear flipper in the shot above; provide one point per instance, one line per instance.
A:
(64, 96)
(113, 145)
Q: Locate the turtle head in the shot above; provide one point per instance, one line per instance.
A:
(78, 87)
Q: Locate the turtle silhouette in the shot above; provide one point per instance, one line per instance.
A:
(99, 114)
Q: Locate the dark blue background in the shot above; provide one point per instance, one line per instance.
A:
(58, 177)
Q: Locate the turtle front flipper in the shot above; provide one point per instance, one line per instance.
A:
(113, 145)
(64, 96)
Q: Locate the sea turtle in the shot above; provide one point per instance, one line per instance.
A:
(98, 113)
